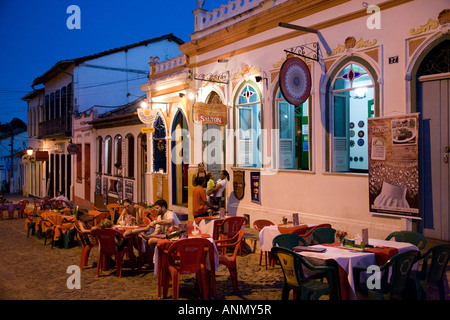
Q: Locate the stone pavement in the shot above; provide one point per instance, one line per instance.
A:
(30, 270)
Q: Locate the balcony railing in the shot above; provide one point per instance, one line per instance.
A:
(58, 127)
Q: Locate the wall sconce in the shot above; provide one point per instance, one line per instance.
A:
(261, 78)
(181, 94)
(222, 60)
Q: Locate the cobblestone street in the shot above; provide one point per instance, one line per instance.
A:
(31, 270)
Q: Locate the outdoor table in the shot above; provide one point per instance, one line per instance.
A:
(208, 225)
(137, 242)
(161, 268)
(348, 258)
(267, 234)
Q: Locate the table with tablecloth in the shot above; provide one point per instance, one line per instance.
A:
(267, 234)
(347, 259)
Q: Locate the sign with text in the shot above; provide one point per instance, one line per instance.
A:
(215, 113)
(394, 165)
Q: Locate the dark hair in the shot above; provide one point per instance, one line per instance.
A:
(161, 203)
(208, 176)
(200, 181)
(225, 172)
(80, 212)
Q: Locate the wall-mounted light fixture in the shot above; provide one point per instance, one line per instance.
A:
(181, 94)
(261, 78)
(222, 60)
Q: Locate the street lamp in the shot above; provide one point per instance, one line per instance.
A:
(29, 151)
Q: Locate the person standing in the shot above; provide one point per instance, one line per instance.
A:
(220, 187)
(201, 173)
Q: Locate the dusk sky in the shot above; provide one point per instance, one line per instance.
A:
(34, 36)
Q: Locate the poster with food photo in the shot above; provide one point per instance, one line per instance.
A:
(394, 165)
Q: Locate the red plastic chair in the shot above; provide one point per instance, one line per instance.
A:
(189, 256)
(230, 261)
(108, 248)
(259, 225)
(230, 227)
(86, 246)
(23, 206)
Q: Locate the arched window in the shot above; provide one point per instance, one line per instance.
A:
(352, 103)
(117, 154)
(293, 134)
(130, 156)
(159, 146)
(108, 155)
(99, 154)
(248, 114)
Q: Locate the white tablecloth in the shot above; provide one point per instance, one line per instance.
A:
(267, 234)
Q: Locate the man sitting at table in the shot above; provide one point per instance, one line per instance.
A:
(199, 201)
(160, 226)
(130, 212)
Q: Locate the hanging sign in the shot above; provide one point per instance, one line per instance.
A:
(72, 148)
(239, 184)
(295, 81)
(215, 113)
(147, 116)
(394, 165)
(148, 130)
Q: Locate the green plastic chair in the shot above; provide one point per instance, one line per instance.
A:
(288, 240)
(323, 235)
(431, 274)
(305, 288)
(394, 277)
(412, 237)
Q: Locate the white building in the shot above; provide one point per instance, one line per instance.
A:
(312, 158)
(77, 86)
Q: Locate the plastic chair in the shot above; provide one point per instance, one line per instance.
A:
(259, 225)
(307, 235)
(20, 209)
(189, 256)
(229, 228)
(38, 203)
(86, 246)
(113, 208)
(107, 240)
(412, 237)
(292, 265)
(323, 235)
(288, 240)
(230, 261)
(394, 276)
(431, 274)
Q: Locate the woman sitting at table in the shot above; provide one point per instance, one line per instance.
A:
(119, 241)
(82, 217)
(130, 212)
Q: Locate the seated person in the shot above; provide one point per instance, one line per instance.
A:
(130, 212)
(61, 197)
(200, 204)
(120, 242)
(82, 217)
(157, 229)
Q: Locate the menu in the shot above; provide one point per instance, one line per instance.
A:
(393, 165)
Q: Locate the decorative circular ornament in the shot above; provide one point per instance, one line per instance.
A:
(352, 125)
(361, 134)
(295, 81)
(360, 142)
(361, 124)
(352, 133)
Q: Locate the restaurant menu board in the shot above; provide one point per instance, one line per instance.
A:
(393, 165)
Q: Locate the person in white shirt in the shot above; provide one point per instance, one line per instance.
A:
(220, 187)
(160, 227)
(61, 197)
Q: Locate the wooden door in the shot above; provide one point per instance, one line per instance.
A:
(87, 172)
(434, 105)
